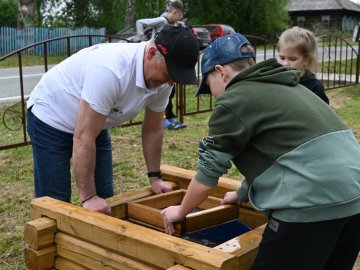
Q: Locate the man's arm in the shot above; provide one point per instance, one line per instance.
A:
(152, 137)
(88, 126)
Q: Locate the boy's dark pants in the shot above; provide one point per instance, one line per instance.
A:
(325, 245)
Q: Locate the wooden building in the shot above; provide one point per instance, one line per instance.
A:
(341, 15)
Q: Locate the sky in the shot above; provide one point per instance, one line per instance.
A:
(356, 1)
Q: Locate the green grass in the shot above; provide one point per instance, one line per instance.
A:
(30, 60)
(179, 149)
(351, 111)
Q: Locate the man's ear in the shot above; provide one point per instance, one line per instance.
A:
(151, 52)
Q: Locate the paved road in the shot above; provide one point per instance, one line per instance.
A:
(10, 83)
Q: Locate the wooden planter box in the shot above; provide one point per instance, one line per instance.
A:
(146, 211)
(65, 236)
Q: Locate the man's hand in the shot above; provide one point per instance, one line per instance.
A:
(231, 198)
(97, 204)
(158, 186)
(170, 215)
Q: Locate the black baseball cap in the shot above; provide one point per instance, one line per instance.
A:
(180, 49)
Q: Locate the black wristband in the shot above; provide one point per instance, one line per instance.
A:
(82, 202)
(154, 174)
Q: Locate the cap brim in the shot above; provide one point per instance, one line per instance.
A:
(181, 75)
(203, 88)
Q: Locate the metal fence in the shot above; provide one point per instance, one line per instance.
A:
(339, 67)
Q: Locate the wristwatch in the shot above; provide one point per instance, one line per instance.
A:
(154, 174)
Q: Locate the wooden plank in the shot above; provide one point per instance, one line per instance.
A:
(179, 267)
(145, 214)
(210, 217)
(147, 210)
(131, 240)
(250, 240)
(39, 233)
(230, 245)
(118, 203)
(183, 178)
(40, 259)
(162, 200)
(251, 217)
(65, 264)
(210, 202)
(134, 195)
(94, 257)
(245, 247)
(160, 229)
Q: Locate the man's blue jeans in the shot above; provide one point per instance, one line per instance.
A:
(52, 151)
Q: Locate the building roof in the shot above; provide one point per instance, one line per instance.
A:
(311, 5)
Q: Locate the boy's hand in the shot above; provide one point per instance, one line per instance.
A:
(171, 215)
(231, 198)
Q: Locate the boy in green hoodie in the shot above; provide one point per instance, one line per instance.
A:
(301, 163)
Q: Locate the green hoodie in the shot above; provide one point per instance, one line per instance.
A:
(301, 163)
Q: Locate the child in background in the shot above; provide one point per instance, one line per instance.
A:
(297, 48)
(173, 15)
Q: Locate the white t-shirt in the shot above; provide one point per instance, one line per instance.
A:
(109, 77)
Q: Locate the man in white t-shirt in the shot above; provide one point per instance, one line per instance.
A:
(74, 104)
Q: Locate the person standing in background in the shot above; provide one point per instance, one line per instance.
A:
(297, 48)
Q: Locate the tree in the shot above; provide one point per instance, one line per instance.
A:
(8, 13)
(256, 17)
(148, 9)
(79, 13)
(97, 13)
(110, 14)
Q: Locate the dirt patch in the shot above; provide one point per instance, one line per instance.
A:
(4, 158)
(337, 98)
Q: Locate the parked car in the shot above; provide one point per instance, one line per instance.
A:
(202, 35)
(218, 30)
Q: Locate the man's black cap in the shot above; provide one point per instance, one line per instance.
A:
(180, 49)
